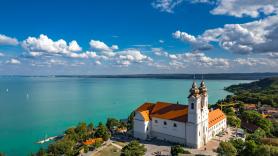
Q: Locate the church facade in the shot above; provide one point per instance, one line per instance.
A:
(192, 125)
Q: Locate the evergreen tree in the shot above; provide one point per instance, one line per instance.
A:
(133, 149)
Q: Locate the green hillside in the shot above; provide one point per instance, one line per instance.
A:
(264, 90)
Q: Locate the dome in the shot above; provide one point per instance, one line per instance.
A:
(203, 88)
(194, 89)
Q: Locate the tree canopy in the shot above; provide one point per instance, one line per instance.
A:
(226, 149)
(134, 148)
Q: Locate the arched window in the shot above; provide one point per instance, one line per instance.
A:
(175, 125)
(192, 105)
(165, 123)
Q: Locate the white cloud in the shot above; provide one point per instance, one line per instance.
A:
(114, 47)
(98, 63)
(98, 45)
(129, 56)
(161, 41)
(47, 45)
(13, 61)
(102, 47)
(166, 5)
(159, 52)
(259, 36)
(198, 43)
(87, 54)
(5, 40)
(73, 46)
(2, 54)
(241, 8)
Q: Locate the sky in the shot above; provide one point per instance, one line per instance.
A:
(104, 37)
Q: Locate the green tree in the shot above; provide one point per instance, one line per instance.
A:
(250, 148)
(61, 147)
(256, 136)
(238, 144)
(112, 123)
(175, 150)
(226, 149)
(251, 116)
(130, 120)
(41, 152)
(274, 130)
(233, 121)
(229, 111)
(134, 148)
(102, 132)
(90, 126)
(267, 150)
(265, 124)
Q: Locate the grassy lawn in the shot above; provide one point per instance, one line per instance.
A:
(110, 150)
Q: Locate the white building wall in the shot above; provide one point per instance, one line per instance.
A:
(217, 128)
(141, 128)
(169, 131)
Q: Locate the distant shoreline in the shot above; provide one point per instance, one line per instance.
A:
(212, 76)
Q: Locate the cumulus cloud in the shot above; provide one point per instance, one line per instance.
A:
(198, 43)
(129, 56)
(73, 46)
(6, 40)
(13, 61)
(101, 46)
(236, 8)
(87, 54)
(160, 52)
(259, 36)
(166, 5)
(2, 54)
(43, 44)
(241, 8)
(199, 58)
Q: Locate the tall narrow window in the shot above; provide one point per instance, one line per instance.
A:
(175, 125)
(192, 105)
(165, 123)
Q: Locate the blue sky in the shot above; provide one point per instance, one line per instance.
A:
(140, 36)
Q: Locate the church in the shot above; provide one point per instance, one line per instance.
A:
(192, 125)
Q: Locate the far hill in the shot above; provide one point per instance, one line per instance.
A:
(264, 90)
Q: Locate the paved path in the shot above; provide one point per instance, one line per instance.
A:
(118, 146)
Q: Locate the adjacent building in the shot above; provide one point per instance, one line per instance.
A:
(192, 125)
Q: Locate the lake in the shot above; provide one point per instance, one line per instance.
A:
(32, 107)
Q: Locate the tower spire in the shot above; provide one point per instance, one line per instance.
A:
(194, 91)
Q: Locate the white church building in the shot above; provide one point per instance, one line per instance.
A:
(192, 125)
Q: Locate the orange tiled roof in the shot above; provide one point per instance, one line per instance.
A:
(145, 106)
(215, 116)
(145, 114)
(92, 141)
(164, 110)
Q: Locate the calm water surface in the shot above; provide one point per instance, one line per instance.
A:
(32, 107)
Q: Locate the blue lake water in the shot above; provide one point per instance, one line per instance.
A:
(31, 107)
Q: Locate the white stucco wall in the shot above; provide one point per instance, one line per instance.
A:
(141, 128)
(217, 128)
(168, 131)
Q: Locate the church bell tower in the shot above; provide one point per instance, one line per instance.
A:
(197, 122)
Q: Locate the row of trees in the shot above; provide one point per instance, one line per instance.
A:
(264, 91)
(250, 147)
(72, 142)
